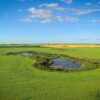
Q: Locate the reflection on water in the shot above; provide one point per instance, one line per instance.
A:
(64, 64)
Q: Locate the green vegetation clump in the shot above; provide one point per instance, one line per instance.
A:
(11, 53)
(43, 61)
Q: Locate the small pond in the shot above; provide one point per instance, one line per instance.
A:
(64, 64)
(26, 54)
(58, 63)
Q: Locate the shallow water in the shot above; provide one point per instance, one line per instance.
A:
(58, 62)
(64, 64)
(27, 54)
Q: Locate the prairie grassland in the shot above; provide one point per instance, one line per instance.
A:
(71, 45)
(19, 80)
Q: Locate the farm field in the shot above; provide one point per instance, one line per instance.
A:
(71, 45)
(19, 80)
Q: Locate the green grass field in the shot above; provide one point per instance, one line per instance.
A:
(20, 81)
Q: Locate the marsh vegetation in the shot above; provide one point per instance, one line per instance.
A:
(59, 62)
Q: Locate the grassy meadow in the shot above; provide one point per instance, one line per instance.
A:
(19, 80)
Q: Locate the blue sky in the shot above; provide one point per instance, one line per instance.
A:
(49, 21)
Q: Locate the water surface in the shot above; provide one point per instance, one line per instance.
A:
(27, 53)
(64, 64)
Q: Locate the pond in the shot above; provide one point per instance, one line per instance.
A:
(64, 64)
(58, 63)
(26, 54)
(35, 54)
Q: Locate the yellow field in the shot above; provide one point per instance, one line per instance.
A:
(70, 45)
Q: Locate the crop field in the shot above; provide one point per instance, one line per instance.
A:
(20, 80)
(71, 45)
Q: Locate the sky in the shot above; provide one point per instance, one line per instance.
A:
(49, 21)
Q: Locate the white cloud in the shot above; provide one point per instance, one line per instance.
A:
(27, 20)
(46, 16)
(71, 19)
(49, 5)
(52, 6)
(39, 13)
(45, 21)
(67, 1)
(66, 19)
(84, 11)
(59, 19)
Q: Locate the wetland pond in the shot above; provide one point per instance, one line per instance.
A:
(27, 54)
(58, 63)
